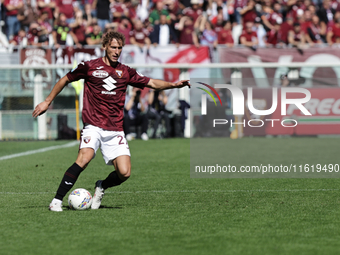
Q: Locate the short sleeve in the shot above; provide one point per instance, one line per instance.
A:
(137, 79)
(78, 72)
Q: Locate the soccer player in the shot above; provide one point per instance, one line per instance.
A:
(106, 82)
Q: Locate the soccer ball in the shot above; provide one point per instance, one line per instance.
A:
(80, 199)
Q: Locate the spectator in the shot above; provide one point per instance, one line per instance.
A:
(316, 31)
(305, 4)
(249, 37)
(269, 16)
(238, 6)
(285, 28)
(312, 10)
(61, 30)
(103, 12)
(333, 34)
(133, 114)
(142, 10)
(296, 37)
(225, 35)
(118, 10)
(27, 15)
(156, 111)
(186, 28)
(43, 22)
(276, 15)
(218, 22)
(139, 35)
(216, 7)
(132, 9)
(208, 36)
(79, 29)
(154, 16)
(88, 14)
(325, 13)
(12, 22)
(260, 31)
(248, 13)
(184, 4)
(306, 21)
(273, 36)
(20, 39)
(47, 6)
(34, 37)
(125, 27)
(163, 34)
(95, 37)
(66, 7)
(296, 9)
(172, 7)
(194, 11)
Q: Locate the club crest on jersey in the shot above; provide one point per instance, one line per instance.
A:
(119, 73)
(100, 74)
(87, 139)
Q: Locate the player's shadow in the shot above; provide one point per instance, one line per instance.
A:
(110, 207)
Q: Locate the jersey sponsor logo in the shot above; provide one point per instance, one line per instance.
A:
(87, 139)
(119, 73)
(109, 92)
(100, 74)
(109, 83)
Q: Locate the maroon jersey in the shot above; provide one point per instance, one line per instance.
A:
(139, 35)
(194, 14)
(185, 36)
(249, 36)
(104, 91)
(336, 33)
(66, 7)
(12, 2)
(249, 16)
(46, 9)
(272, 37)
(225, 36)
(285, 27)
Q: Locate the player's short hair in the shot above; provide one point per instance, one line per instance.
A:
(109, 36)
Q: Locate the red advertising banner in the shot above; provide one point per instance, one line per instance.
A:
(284, 56)
(324, 106)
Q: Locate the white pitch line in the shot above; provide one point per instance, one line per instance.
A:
(39, 150)
(182, 191)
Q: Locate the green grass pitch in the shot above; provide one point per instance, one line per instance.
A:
(161, 210)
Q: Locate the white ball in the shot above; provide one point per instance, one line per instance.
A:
(80, 199)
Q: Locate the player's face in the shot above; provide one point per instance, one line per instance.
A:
(113, 50)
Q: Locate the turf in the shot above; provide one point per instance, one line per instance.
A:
(161, 210)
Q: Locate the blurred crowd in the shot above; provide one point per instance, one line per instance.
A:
(253, 23)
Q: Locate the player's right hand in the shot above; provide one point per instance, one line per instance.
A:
(40, 109)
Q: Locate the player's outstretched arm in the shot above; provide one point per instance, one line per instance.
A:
(43, 106)
(161, 85)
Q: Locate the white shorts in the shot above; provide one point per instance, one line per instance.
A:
(112, 143)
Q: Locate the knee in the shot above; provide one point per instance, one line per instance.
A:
(84, 157)
(124, 173)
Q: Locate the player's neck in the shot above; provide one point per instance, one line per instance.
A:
(107, 61)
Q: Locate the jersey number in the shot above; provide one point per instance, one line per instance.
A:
(109, 83)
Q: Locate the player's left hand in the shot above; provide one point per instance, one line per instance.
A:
(183, 83)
